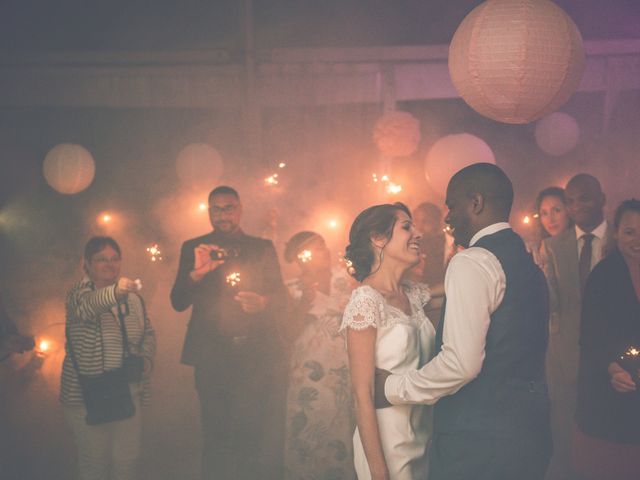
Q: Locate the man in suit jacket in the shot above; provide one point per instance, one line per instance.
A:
(571, 256)
(232, 340)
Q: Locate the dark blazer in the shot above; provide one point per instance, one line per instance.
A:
(212, 298)
(610, 325)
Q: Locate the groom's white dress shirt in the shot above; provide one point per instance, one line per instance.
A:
(474, 287)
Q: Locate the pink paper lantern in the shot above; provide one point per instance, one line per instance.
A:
(452, 153)
(68, 168)
(199, 165)
(397, 134)
(515, 61)
(557, 134)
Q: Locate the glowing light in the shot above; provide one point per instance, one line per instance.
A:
(393, 188)
(333, 223)
(271, 180)
(375, 177)
(43, 346)
(526, 220)
(634, 352)
(202, 207)
(153, 250)
(233, 279)
(385, 178)
(536, 215)
(282, 165)
(447, 229)
(305, 256)
(105, 218)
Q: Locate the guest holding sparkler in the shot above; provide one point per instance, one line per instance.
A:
(606, 443)
(320, 421)
(233, 282)
(109, 336)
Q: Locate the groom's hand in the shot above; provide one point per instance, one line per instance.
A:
(379, 398)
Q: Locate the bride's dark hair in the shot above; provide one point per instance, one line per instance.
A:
(375, 221)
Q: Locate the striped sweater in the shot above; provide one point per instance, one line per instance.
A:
(92, 324)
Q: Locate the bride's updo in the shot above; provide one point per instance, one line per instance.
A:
(375, 221)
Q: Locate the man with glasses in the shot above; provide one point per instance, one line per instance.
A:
(233, 282)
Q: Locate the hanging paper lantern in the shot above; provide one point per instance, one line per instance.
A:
(199, 165)
(515, 61)
(397, 134)
(452, 153)
(557, 133)
(68, 168)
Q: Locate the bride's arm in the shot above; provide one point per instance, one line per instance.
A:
(361, 346)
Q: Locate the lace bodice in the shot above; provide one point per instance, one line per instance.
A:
(368, 308)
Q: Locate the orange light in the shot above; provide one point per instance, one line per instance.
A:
(526, 220)
(105, 218)
(282, 165)
(305, 256)
(43, 346)
(233, 279)
(332, 223)
(271, 180)
(202, 206)
(155, 255)
(393, 188)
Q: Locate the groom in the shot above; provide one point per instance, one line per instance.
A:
(491, 420)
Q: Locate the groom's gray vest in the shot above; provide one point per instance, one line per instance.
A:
(510, 392)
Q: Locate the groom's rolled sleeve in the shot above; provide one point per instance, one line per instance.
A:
(474, 287)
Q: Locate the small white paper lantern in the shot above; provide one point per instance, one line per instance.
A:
(397, 134)
(452, 153)
(199, 165)
(68, 168)
(515, 61)
(557, 134)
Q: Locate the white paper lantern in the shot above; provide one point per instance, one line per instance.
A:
(557, 133)
(452, 153)
(68, 168)
(516, 60)
(397, 134)
(199, 165)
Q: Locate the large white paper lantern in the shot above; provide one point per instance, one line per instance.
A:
(452, 153)
(515, 61)
(68, 168)
(557, 134)
(199, 165)
(397, 134)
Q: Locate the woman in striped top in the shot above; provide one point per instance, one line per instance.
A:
(110, 450)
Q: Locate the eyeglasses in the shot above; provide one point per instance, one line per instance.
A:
(104, 260)
(220, 210)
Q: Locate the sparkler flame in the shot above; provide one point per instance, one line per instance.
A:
(393, 188)
(633, 352)
(526, 220)
(155, 255)
(271, 180)
(233, 279)
(305, 256)
(202, 206)
(43, 346)
(282, 165)
(332, 223)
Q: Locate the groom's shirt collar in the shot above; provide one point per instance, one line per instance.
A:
(490, 230)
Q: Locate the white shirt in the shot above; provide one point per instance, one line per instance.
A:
(597, 244)
(474, 286)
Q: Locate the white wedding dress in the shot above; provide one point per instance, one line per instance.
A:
(404, 342)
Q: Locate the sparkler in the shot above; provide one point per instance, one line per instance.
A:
(630, 361)
(271, 180)
(105, 218)
(43, 346)
(305, 256)
(155, 255)
(333, 224)
(233, 279)
(526, 220)
(390, 187)
(202, 207)
(282, 165)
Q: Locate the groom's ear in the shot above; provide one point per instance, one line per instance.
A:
(477, 203)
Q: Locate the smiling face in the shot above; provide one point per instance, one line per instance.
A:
(404, 244)
(628, 236)
(553, 215)
(104, 267)
(585, 202)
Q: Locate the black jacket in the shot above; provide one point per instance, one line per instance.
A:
(610, 325)
(212, 298)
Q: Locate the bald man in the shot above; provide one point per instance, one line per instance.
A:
(571, 256)
(491, 419)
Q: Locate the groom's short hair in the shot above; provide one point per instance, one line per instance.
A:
(487, 180)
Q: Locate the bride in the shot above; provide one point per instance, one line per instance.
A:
(387, 328)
